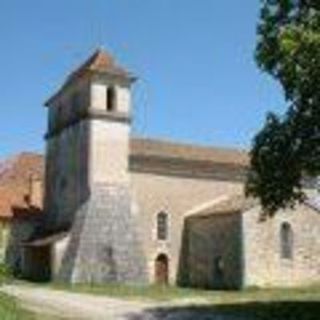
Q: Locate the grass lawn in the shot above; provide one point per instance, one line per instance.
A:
(10, 310)
(271, 304)
(159, 293)
(276, 304)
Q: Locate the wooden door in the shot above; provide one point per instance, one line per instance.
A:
(162, 270)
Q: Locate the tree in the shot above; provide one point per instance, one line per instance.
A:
(287, 149)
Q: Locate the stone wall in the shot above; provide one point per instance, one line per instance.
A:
(108, 152)
(59, 250)
(83, 148)
(67, 155)
(4, 239)
(176, 195)
(212, 252)
(20, 232)
(263, 264)
(66, 175)
(104, 244)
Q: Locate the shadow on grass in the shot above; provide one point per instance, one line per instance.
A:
(285, 310)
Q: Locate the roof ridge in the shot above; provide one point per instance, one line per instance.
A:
(97, 54)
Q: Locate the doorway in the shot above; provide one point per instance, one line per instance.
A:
(37, 263)
(162, 269)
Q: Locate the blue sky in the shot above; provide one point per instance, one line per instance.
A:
(198, 81)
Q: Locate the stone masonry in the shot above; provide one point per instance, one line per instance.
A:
(104, 246)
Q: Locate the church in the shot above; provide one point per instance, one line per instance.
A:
(122, 209)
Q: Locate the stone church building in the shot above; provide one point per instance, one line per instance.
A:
(138, 211)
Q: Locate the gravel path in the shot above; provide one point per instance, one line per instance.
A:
(66, 305)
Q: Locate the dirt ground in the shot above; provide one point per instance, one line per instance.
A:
(63, 305)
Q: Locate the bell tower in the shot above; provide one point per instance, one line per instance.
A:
(110, 112)
(87, 177)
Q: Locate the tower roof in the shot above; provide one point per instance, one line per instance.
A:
(99, 62)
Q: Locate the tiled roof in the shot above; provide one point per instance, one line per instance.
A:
(15, 173)
(101, 62)
(15, 177)
(173, 150)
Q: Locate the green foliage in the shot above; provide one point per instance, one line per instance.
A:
(10, 310)
(5, 273)
(288, 147)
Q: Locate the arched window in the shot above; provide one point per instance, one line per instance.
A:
(111, 99)
(162, 226)
(286, 241)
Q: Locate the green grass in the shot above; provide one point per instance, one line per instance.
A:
(10, 309)
(159, 293)
(257, 304)
(156, 293)
(165, 294)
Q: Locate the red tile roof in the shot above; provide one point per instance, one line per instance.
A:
(100, 62)
(15, 175)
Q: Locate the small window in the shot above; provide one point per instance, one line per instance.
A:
(111, 99)
(286, 239)
(162, 226)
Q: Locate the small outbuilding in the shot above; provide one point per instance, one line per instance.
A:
(232, 244)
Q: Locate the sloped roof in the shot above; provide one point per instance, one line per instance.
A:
(101, 62)
(48, 239)
(236, 203)
(15, 175)
(181, 151)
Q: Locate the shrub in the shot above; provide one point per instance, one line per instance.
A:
(5, 273)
